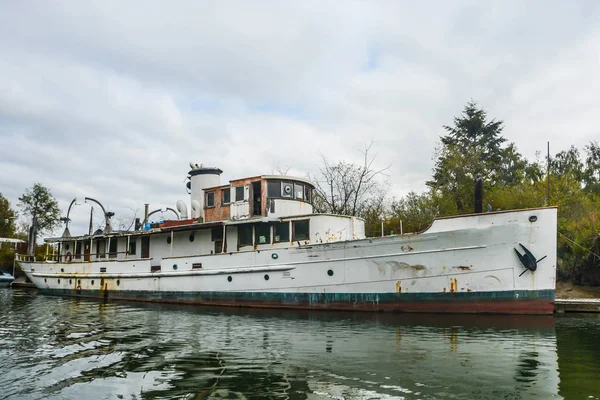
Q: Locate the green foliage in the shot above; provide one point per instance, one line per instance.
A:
(7, 218)
(474, 147)
(416, 211)
(40, 207)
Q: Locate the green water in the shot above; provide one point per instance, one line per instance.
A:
(63, 348)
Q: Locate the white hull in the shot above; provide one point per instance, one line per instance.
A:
(460, 264)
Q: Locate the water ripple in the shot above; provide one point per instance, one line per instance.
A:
(65, 348)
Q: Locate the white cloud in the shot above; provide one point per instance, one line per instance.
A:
(111, 100)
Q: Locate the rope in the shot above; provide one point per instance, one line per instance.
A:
(577, 244)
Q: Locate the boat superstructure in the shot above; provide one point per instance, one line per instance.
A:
(257, 242)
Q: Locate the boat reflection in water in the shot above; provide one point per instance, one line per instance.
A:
(81, 349)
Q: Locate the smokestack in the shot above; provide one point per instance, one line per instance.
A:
(146, 208)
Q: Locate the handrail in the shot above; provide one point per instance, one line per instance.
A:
(24, 257)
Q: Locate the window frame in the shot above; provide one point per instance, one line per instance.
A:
(207, 196)
(294, 223)
(237, 190)
(223, 191)
(267, 227)
(278, 191)
(287, 230)
(296, 186)
(132, 245)
(245, 226)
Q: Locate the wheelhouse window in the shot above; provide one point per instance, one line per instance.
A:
(239, 193)
(226, 196)
(307, 194)
(210, 199)
(299, 191)
(281, 232)
(274, 190)
(300, 230)
(245, 235)
(262, 233)
(287, 190)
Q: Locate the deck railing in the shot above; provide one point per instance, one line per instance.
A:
(24, 257)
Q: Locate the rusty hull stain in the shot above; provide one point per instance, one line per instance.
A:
(463, 267)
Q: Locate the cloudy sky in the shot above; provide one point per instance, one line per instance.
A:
(112, 99)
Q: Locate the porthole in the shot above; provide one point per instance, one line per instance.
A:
(67, 247)
(533, 218)
(70, 281)
(274, 256)
(62, 270)
(192, 237)
(266, 277)
(229, 279)
(45, 280)
(175, 267)
(330, 272)
(59, 281)
(92, 282)
(118, 282)
(169, 239)
(79, 282)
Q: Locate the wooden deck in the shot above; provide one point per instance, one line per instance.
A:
(577, 305)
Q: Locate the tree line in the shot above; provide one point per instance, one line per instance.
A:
(473, 148)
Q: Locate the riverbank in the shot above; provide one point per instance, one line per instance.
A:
(570, 290)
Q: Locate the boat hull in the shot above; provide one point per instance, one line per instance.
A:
(467, 264)
(504, 302)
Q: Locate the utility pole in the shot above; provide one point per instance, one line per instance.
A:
(548, 175)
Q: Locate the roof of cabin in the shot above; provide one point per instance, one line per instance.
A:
(267, 177)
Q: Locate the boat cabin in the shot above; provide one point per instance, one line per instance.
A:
(250, 214)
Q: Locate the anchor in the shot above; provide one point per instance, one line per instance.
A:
(528, 259)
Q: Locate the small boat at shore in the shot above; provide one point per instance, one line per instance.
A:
(5, 279)
(256, 242)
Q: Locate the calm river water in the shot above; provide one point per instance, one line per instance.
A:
(62, 348)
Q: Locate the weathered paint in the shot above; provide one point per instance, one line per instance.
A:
(407, 264)
(508, 302)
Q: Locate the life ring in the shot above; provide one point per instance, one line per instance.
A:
(69, 257)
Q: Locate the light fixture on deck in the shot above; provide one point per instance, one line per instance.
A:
(107, 215)
(66, 220)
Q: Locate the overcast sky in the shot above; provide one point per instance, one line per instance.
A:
(112, 99)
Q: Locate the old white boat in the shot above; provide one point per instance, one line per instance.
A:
(256, 242)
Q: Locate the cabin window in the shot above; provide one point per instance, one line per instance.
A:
(239, 193)
(100, 249)
(262, 234)
(300, 230)
(274, 190)
(210, 199)
(245, 235)
(216, 234)
(307, 194)
(299, 191)
(112, 251)
(132, 247)
(281, 232)
(287, 190)
(78, 249)
(226, 196)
